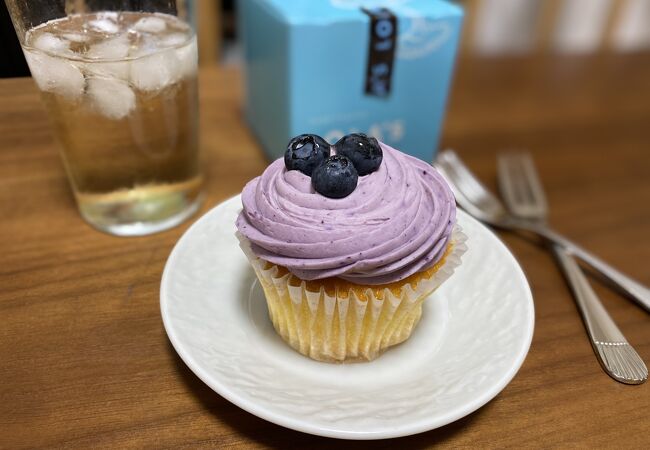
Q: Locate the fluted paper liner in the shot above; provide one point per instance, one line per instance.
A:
(338, 321)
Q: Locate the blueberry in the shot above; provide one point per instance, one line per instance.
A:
(364, 152)
(335, 178)
(305, 153)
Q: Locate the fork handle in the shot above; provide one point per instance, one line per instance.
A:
(628, 286)
(599, 324)
(614, 353)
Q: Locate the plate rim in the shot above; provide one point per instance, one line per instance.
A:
(269, 415)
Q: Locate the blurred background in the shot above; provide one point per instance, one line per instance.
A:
(492, 29)
(529, 73)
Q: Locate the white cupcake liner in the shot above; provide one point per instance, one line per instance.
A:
(335, 322)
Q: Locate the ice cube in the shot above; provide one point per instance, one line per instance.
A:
(112, 50)
(174, 39)
(155, 71)
(188, 59)
(49, 43)
(105, 25)
(111, 98)
(56, 75)
(150, 25)
(116, 70)
(109, 15)
(145, 44)
(74, 37)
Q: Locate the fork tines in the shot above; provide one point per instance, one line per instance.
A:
(520, 185)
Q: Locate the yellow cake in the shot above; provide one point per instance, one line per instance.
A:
(335, 320)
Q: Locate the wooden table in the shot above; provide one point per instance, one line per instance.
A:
(85, 361)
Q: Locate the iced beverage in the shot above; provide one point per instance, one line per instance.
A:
(121, 91)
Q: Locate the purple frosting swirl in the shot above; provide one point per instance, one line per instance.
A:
(398, 221)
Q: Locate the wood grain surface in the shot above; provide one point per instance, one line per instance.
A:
(84, 359)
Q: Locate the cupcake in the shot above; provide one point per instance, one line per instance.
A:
(347, 241)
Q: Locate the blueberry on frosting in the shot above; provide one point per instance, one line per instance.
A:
(335, 178)
(306, 152)
(364, 152)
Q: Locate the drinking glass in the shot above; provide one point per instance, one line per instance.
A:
(118, 80)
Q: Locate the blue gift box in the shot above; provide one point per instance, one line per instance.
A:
(332, 67)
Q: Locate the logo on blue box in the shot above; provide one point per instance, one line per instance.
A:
(381, 51)
(332, 67)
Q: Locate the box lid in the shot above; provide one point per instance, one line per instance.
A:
(326, 11)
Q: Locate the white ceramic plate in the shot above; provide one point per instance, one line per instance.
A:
(474, 334)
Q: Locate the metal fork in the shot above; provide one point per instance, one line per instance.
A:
(523, 194)
(483, 205)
